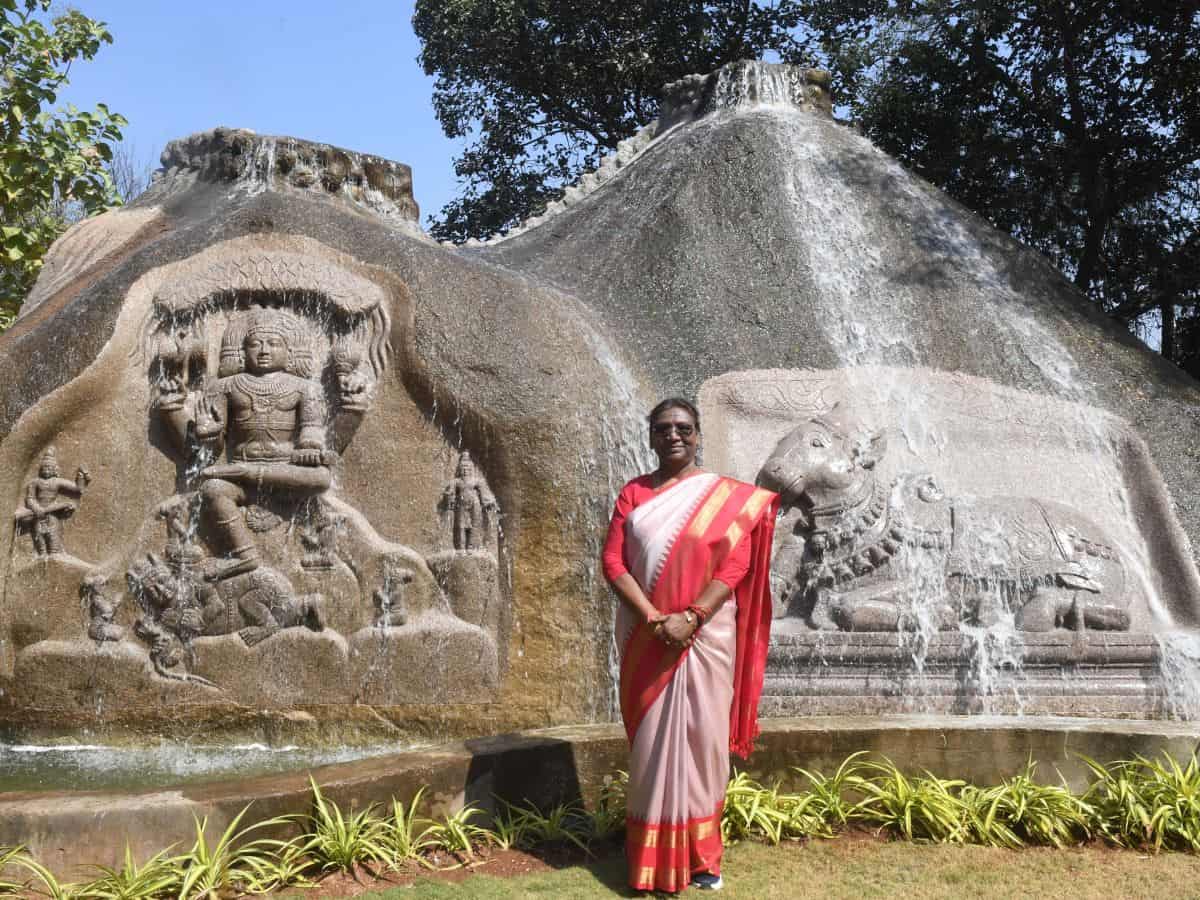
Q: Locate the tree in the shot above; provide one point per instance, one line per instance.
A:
(1072, 124)
(53, 165)
(544, 88)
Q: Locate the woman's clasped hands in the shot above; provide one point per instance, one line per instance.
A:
(675, 629)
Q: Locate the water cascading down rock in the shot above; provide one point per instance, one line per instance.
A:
(332, 478)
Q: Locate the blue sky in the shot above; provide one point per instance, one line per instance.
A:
(345, 73)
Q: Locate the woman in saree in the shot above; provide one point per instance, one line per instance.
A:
(688, 552)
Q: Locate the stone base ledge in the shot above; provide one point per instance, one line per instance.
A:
(67, 831)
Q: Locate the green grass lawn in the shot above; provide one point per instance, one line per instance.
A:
(857, 867)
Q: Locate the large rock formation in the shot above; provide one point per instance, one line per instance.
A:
(336, 477)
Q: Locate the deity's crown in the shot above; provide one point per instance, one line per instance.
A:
(464, 461)
(267, 321)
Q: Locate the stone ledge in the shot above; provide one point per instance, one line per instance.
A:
(68, 830)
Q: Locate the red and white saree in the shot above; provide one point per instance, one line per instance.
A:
(685, 709)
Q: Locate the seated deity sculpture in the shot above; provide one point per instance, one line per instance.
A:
(266, 412)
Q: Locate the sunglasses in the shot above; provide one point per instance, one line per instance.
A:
(662, 429)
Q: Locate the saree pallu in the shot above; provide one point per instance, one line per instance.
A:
(685, 709)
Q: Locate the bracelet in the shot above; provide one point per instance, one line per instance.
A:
(700, 612)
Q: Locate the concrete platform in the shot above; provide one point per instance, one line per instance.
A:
(67, 830)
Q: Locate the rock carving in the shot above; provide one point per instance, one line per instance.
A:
(49, 501)
(101, 609)
(390, 609)
(855, 549)
(318, 532)
(468, 508)
(266, 411)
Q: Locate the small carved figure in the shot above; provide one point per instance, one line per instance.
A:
(319, 530)
(390, 608)
(844, 532)
(268, 604)
(49, 501)
(468, 508)
(179, 515)
(179, 362)
(101, 609)
(176, 602)
(266, 411)
(353, 386)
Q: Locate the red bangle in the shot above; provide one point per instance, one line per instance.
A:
(701, 613)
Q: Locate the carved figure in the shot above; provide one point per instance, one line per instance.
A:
(101, 610)
(353, 385)
(319, 530)
(267, 412)
(179, 515)
(390, 608)
(851, 551)
(468, 508)
(176, 603)
(50, 501)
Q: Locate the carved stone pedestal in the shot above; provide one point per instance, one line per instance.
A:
(470, 580)
(295, 667)
(1116, 674)
(95, 679)
(435, 657)
(50, 607)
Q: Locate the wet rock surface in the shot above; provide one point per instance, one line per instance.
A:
(338, 471)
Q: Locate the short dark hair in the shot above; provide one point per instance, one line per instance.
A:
(675, 403)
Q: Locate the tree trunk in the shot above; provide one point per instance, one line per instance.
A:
(1167, 348)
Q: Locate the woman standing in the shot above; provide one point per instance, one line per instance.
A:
(689, 553)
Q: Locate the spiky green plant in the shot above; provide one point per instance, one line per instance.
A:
(1151, 803)
(1120, 814)
(831, 801)
(337, 841)
(45, 883)
(457, 835)
(406, 836)
(1021, 811)
(751, 810)
(287, 865)
(925, 808)
(228, 865)
(158, 876)
(9, 857)
(527, 826)
(608, 816)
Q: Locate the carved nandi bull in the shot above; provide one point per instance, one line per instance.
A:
(855, 553)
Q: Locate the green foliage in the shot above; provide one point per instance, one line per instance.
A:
(609, 815)
(924, 808)
(159, 876)
(407, 836)
(1147, 803)
(48, 160)
(751, 811)
(337, 841)
(1020, 811)
(45, 884)
(542, 89)
(230, 865)
(830, 802)
(1072, 126)
(286, 864)
(9, 856)
(457, 835)
(567, 823)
